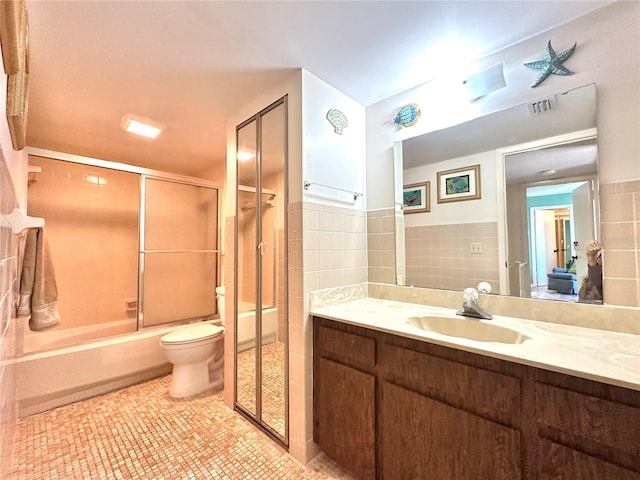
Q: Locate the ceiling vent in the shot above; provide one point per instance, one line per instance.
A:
(541, 106)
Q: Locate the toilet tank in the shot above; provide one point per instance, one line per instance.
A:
(220, 298)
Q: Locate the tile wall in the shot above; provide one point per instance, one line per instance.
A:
(620, 212)
(228, 274)
(298, 343)
(335, 246)
(92, 231)
(9, 260)
(381, 245)
(440, 257)
(327, 248)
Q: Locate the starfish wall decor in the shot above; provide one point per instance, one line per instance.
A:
(551, 63)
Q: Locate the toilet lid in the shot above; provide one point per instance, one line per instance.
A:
(192, 334)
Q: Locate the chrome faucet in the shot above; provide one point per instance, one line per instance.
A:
(470, 307)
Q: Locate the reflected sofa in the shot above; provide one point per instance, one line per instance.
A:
(563, 280)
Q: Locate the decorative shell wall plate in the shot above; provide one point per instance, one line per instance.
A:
(408, 115)
(338, 120)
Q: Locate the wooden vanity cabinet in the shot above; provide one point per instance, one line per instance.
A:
(344, 387)
(393, 408)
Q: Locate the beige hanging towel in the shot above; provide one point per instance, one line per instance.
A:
(38, 289)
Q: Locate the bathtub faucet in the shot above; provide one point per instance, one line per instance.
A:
(470, 307)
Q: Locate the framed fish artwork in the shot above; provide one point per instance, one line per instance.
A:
(459, 184)
(415, 198)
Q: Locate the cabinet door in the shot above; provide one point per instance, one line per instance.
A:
(344, 416)
(558, 462)
(587, 437)
(429, 440)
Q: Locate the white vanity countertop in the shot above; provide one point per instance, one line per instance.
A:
(599, 355)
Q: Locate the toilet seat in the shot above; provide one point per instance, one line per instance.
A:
(192, 334)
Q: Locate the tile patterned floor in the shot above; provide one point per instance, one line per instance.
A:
(142, 433)
(545, 294)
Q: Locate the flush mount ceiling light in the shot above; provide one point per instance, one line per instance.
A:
(95, 179)
(141, 126)
(244, 156)
(546, 172)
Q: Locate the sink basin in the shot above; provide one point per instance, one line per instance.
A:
(470, 329)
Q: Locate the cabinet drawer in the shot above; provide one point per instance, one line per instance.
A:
(493, 395)
(346, 346)
(591, 418)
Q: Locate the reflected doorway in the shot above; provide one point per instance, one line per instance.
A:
(552, 214)
(560, 223)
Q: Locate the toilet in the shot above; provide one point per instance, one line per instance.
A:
(197, 355)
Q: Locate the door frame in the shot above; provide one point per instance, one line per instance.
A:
(501, 154)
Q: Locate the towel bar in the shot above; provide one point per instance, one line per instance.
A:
(310, 184)
(19, 222)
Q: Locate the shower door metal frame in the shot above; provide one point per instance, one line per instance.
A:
(141, 242)
(143, 172)
(243, 188)
(257, 417)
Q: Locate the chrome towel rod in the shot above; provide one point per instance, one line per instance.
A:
(356, 195)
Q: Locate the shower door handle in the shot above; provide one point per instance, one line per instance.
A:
(262, 247)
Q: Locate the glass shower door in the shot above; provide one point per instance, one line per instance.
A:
(179, 252)
(261, 271)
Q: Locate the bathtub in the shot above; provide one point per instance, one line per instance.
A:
(64, 337)
(65, 375)
(246, 327)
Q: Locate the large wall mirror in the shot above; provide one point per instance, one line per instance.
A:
(511, 198)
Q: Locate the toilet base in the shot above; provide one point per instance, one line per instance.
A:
(191, 378)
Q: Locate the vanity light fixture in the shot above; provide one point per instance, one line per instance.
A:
(546, 172)
(482, 83)
(141, 126)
